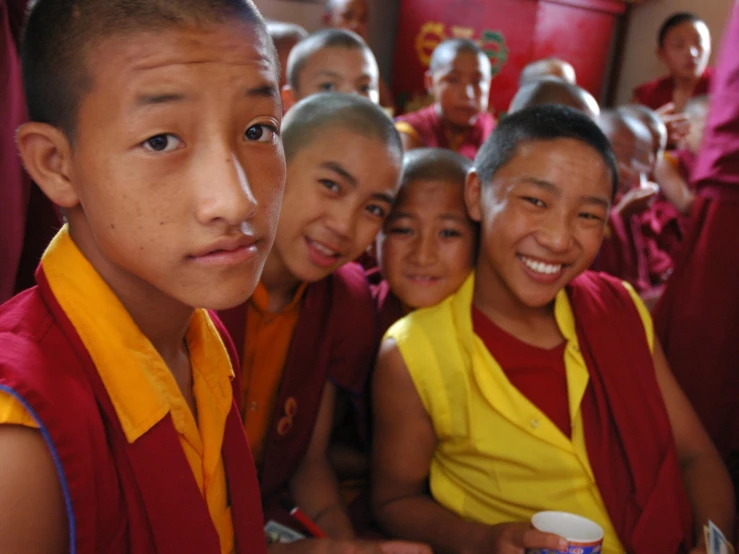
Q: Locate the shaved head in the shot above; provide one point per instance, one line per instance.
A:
(326, 38)
(654, 123)
(59, 34)
(310, 118)
(446, 51)
(434, 164)
(548, 67)
(549, 90)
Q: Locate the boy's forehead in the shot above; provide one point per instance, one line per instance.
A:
(323, 59)
(688, 29)
(234, 44)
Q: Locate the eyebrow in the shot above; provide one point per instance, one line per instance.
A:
(265, 90)
(546, 185)
(336, 167)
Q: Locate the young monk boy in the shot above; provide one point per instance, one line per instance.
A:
(156, 128)
(551, 90)
(459, 80)
(626, 253)
(332, 60)
(684, 47)
(354, 15)
(426, 247)
(548, 67)
(538, 385)
(285, 36)
(308, 330)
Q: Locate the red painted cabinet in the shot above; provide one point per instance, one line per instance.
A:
(513, 33)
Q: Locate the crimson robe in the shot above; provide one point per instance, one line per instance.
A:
(121, 497)
(697, 319)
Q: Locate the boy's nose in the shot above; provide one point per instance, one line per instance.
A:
(225, 192)
(424, 251)
(555, 234)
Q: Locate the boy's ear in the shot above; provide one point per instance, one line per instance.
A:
(428, 81)
(473, 196)
(289, 98)
(47, 156)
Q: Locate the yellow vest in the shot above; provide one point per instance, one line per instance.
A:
(499, 458)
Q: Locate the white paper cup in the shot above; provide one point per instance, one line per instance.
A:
(582, 535)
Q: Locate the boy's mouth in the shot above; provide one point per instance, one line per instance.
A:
(422, 279)
(542, 268)
(322, 255)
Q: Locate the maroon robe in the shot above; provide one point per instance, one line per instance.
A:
(659, 92)
(627, 431)
(334, 340)
(697, 319)
(121, 497)
(427, 123)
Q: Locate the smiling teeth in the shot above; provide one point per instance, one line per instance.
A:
(541, 267)
(323, 250)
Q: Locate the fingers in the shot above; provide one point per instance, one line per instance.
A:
(537, 539)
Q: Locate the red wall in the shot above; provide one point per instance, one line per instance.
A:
(513, 32)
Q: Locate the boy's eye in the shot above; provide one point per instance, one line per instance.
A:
(162, 143)
(330, 185)
(327, 87)
(535, 201)
(449, 233)
(366, 89)
(261, 133)
(590, 217)
(400, 230)
(377, 211)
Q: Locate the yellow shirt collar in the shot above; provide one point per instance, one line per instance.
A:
(138, 381)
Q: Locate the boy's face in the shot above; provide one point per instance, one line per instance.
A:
(352, 15)
(346, 70)
(427, 245)
(461, 88)
(542, 220)
(339, 191)
(686, 49)
(178, 169)
(634, 155)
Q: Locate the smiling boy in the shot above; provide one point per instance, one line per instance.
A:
(538, 385)
(155, 127)
(307, 334)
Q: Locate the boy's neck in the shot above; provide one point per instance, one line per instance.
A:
(535, 326)
(685, 84)
(449, 128)
(280, 284)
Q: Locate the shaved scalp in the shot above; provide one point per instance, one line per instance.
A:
(58, 35)
(550, 90)
(547, 67)
(313, 117)
(673, 21)
(449, 49)
(333, 5)
(285, 34)
(654, 123)
(541, 123)
(434, 164)
(613, 121)
(326, 38)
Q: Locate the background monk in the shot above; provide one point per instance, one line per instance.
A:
(698, 317)
(552, 90)
(459, 80)
(548, 67)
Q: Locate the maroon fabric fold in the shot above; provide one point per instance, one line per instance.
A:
(659, 92)
(627, 432)
(427, 123)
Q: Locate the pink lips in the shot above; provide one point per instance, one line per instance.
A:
(228, 251)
